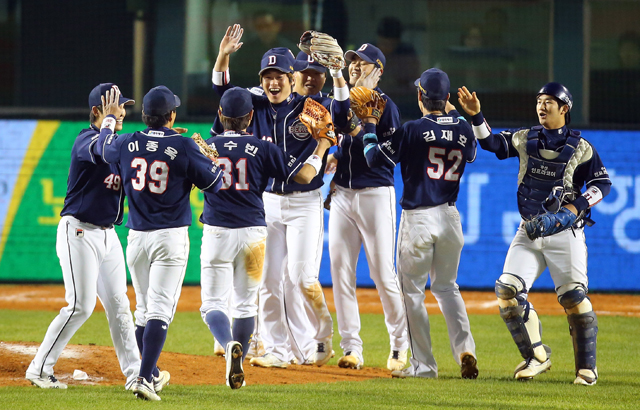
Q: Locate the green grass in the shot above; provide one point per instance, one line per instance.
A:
(617, 388)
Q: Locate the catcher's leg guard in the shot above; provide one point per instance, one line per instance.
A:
(584, 331)
(520, 317)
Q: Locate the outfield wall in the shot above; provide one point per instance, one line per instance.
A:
(34, 163)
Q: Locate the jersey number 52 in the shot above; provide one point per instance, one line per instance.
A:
(436, 157)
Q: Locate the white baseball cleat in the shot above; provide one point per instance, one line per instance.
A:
(218, 349)
(49, 382)
(234, 373)
(397, 360)
(256, 348)
(144, 390)
(161, 381)
(530, 368)
(468, 366)
(586, 377)
(351, 360)
(403, 374)
(322, 355)
(268, 360)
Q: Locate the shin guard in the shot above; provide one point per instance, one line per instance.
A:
(584, 331)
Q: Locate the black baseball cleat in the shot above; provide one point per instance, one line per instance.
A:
(235, 372)
(468, 366)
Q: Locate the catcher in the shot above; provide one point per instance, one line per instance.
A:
(555, 163)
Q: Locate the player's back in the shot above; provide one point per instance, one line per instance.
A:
(434, 152)
(247, 163)
(159, 167)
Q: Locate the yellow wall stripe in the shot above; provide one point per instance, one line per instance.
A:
(42, 135)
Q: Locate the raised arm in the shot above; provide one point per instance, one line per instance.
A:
(110, 107)
(230, 44)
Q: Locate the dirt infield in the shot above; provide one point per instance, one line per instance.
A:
(101, 365)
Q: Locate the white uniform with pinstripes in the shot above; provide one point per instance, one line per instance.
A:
(157, 261)
(365, 217)
(92, 265)
(295, 231)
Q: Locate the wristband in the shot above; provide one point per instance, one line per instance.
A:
(370, 128)
(315, 161)
(220, 78)
(335, 73)
(370, 138)
(341, 94)
(109, 122)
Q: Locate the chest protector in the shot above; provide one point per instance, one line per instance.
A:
(543, 175)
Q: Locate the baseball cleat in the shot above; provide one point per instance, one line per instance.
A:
(586, 377)
(322, 355)
(397, 360)
(469, 366)
(256, 349)
(49, 382)
(268, 360)
(350, 360)
(218, 349)
(161, 381)
(234, 373)
(530, 368)
(402, 374)
(144, 390)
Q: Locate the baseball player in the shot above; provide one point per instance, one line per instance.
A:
(359, 188)
(234, 233)
(90, 252)
(159, 167)
(294, 212)
(433, 152)
(555, 162)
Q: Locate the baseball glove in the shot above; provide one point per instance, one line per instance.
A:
(318, 121)
(206, 150)
(367, 103)
(323, 48)
(548, 224)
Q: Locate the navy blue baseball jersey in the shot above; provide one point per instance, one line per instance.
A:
(159, 167)
(279, 123)
(541, 171)
(352, 170)
(247, 163)
(92, 184)
(432, 152)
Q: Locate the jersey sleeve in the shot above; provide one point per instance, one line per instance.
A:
(389, 122)
(108, 145)
(84, 147)
(339, 110)
(201, 171)
(275, 165)
(500, 144)
(387, 152)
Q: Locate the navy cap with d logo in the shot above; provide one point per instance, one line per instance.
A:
(160, 101)
(100, 90)
(434, 84)
(369, 53)
(279, 58)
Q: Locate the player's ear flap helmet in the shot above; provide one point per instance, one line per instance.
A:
(561, 93)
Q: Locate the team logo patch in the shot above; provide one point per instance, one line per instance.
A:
(79, 233)
(299, 131)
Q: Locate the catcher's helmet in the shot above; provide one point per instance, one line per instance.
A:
(561, 93)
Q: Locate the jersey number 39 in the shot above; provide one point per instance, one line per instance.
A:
(158, 175)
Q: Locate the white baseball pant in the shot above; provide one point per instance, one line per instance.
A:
(294, 247)
(429, 246)
(365, 217)
(231, 263)
(565, 254)
(92, 265)
(157, 261)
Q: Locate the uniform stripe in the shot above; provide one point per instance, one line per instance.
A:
(39, 142)
(75, 300)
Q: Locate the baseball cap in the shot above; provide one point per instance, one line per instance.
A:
(280, 58)
(100, 90)
(306, 62)
(236, 102)
(434, 84)
(159, 101)
(369, 53)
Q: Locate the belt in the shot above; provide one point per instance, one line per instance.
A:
(104, 228)
(451, 203)
(287, 193)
